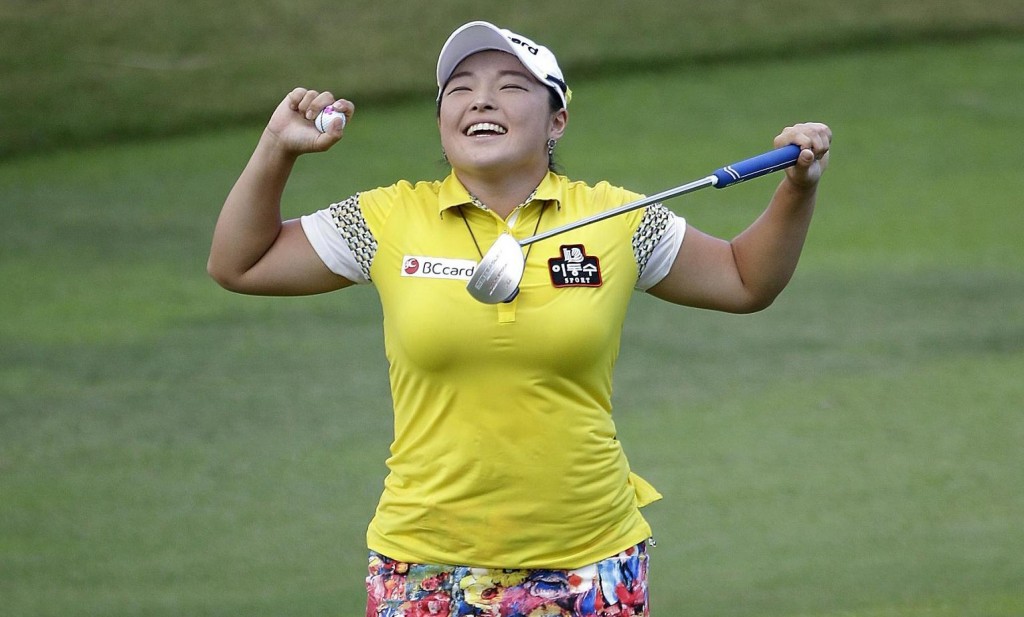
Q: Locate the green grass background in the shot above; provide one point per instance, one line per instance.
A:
(124, 68)
(168, 448)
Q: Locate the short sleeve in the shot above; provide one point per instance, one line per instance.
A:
(342, 238)
(655, 244)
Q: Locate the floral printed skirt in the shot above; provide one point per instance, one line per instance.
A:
(613, 587)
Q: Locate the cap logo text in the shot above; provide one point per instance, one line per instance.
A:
(530, 48)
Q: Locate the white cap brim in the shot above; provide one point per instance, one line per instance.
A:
(477, 36)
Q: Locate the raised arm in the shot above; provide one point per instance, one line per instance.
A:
(253, 250)
(747, 274)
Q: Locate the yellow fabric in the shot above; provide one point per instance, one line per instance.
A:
(505, 453)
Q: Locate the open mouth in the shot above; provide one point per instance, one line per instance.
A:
(483, 129)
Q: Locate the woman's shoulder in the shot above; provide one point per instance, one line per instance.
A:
(406, 189)
(600, 191)
(403, 195)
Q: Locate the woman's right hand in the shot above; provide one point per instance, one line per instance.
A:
(291, 125)
(253, 251)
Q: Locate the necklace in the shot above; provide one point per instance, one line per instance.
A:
(479, 204)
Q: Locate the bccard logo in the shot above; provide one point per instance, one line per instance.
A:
(420, 266)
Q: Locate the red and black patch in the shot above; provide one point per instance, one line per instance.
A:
(574, 268)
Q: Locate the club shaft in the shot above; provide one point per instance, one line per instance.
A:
(633, 205)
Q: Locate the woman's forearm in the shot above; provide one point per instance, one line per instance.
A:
(767, 252)
(250, 219)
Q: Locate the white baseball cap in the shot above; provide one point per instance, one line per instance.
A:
(481, 36)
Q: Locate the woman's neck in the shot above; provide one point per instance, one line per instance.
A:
(503, 194)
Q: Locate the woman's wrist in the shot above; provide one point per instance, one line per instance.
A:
(275, 150)
(800, 187)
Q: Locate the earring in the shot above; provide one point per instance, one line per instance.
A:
(444, 155)
(551, 146)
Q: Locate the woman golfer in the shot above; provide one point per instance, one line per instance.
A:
(508, 492)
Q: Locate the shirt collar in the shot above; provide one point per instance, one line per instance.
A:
(453, 193)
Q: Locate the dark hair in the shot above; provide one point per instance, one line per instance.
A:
(554, 104)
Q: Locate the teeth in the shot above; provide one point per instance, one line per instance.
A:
(485, 126)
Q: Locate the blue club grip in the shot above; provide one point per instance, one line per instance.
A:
(757, 166)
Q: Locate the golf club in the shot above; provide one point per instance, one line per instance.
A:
(497, 276)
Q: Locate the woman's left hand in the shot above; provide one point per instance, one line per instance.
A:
(814, 140)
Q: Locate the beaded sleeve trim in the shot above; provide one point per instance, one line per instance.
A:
(352, 226)
(656, 221)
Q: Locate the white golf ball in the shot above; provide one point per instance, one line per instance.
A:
(326, 117)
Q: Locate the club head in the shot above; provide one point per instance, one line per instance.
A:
(497, 276)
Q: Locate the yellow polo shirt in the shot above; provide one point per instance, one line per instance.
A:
(505, 452)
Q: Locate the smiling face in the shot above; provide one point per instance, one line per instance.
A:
(495, 118)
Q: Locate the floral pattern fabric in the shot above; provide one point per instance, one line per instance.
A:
(613, 587)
